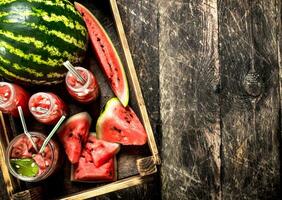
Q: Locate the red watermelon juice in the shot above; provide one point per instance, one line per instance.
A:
(82, 92)
(47, 107)
(12, 96)
(28, 165)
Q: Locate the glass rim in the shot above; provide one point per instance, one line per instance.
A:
(83, 87)
(46, 94)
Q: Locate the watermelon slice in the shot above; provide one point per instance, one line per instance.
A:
(73, 134)
(120, 124)
(106, 54)
(100, 150)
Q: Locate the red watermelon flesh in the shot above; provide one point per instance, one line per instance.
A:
(87, 171)
(39, 161)
(100, 150)
(120, 124)
(20, 149)
(106, 54)
(73, 134)
(73, 148)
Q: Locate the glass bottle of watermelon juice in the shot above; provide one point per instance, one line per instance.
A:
(12, 96)
(47, 107)
(82, 92)
(28, 165)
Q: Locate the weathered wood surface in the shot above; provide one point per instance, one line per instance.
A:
(241, 87)
(189, 78)
(248, 33)
(221, 132)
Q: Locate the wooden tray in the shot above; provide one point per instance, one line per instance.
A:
(134, 163)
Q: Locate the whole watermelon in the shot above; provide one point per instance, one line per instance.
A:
(36, 37)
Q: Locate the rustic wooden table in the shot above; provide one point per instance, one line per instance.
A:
(210, 71)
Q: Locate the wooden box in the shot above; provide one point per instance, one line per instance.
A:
(134, 163)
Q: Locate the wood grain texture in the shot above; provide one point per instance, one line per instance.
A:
(249, 99)
(114, 186)
(189, 77)
(6, 177)
(3, 191)
(279, 34)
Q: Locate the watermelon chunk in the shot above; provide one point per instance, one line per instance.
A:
(40, 161)
(73, 134)
(106, 54)
(87, 171)
(97, 161)
(120, 124)
(20, 149)
(73, 146)
(100, 150)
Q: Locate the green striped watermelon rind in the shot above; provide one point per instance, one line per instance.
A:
(33, 53)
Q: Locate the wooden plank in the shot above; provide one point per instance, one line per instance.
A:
(189, 79)
(7, 178)
(111, 187)
(279, 34)
(135, 83)
(250, 99)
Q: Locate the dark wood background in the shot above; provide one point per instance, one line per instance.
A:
(210, 72)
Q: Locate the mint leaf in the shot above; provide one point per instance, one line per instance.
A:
(25, 167)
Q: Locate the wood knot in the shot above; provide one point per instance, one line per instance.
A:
(252, 83)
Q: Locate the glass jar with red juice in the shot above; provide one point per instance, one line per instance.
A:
(82, 92)
(12, 96)
(28, 165)
(47, 107)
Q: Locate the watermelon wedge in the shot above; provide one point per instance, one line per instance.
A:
(120, 124)
(73, 134)
(107, 55)
(100, 150)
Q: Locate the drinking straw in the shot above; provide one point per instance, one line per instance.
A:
(72, 70)
(46, 141)
(25, 128)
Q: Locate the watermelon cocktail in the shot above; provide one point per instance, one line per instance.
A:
(28, 165)
(12, 96)
(82, 92)
(47, 107)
